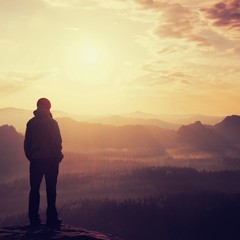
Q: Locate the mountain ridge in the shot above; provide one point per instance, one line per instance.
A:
(18, 118)
(129, 141)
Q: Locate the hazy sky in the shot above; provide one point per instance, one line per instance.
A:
(116, 56)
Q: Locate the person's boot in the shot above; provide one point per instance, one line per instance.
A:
(53, 222)
(35, 222)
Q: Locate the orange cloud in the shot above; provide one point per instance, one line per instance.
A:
(175, 21)
(225, 14)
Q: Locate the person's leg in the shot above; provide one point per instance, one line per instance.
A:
(51, 175)
(36, 175)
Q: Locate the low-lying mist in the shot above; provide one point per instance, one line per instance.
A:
(135, 182)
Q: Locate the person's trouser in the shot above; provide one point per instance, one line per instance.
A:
(38, 169)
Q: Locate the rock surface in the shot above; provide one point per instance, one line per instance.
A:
(44, 233)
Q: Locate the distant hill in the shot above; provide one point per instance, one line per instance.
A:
(12, 160)
(223, 138)
(19, 117)
(94, 136)
(191, 118)
(178, 119)
(171, 121)
(202, 137)
(139, 114)
(121, 120)
(127, 141)
(229, 128)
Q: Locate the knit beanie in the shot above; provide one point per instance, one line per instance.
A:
(44, 103)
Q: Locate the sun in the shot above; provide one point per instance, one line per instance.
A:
(95, 61)
(90, 55)
(91, 61)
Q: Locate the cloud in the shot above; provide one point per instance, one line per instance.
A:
(14, 81)
(225, 14)
(176, 21)
(161, 77)
(180, 38)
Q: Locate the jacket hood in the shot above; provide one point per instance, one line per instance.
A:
(42, 113)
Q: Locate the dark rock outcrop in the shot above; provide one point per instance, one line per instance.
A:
(229, 128)
(44, 233)
(12, 159)
(202, 137)
(223, 138)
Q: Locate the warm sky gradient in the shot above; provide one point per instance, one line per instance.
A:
(116, 56)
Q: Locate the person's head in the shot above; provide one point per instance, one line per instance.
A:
(44, 103)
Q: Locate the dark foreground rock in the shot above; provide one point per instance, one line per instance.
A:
(44, 233)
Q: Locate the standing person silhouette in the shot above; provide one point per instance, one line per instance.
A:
(43, 148)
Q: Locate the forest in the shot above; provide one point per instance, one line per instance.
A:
(143, 202)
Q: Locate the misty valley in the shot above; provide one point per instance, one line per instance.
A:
(135, 181)
(138, 100)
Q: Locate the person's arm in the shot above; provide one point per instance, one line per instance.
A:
(27, 143)
(57, 143)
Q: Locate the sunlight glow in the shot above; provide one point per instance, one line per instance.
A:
(91, 60)
(90, 55)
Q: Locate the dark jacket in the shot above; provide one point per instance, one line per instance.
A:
(42, 138)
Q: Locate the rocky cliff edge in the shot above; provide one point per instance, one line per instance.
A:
(44, 233)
